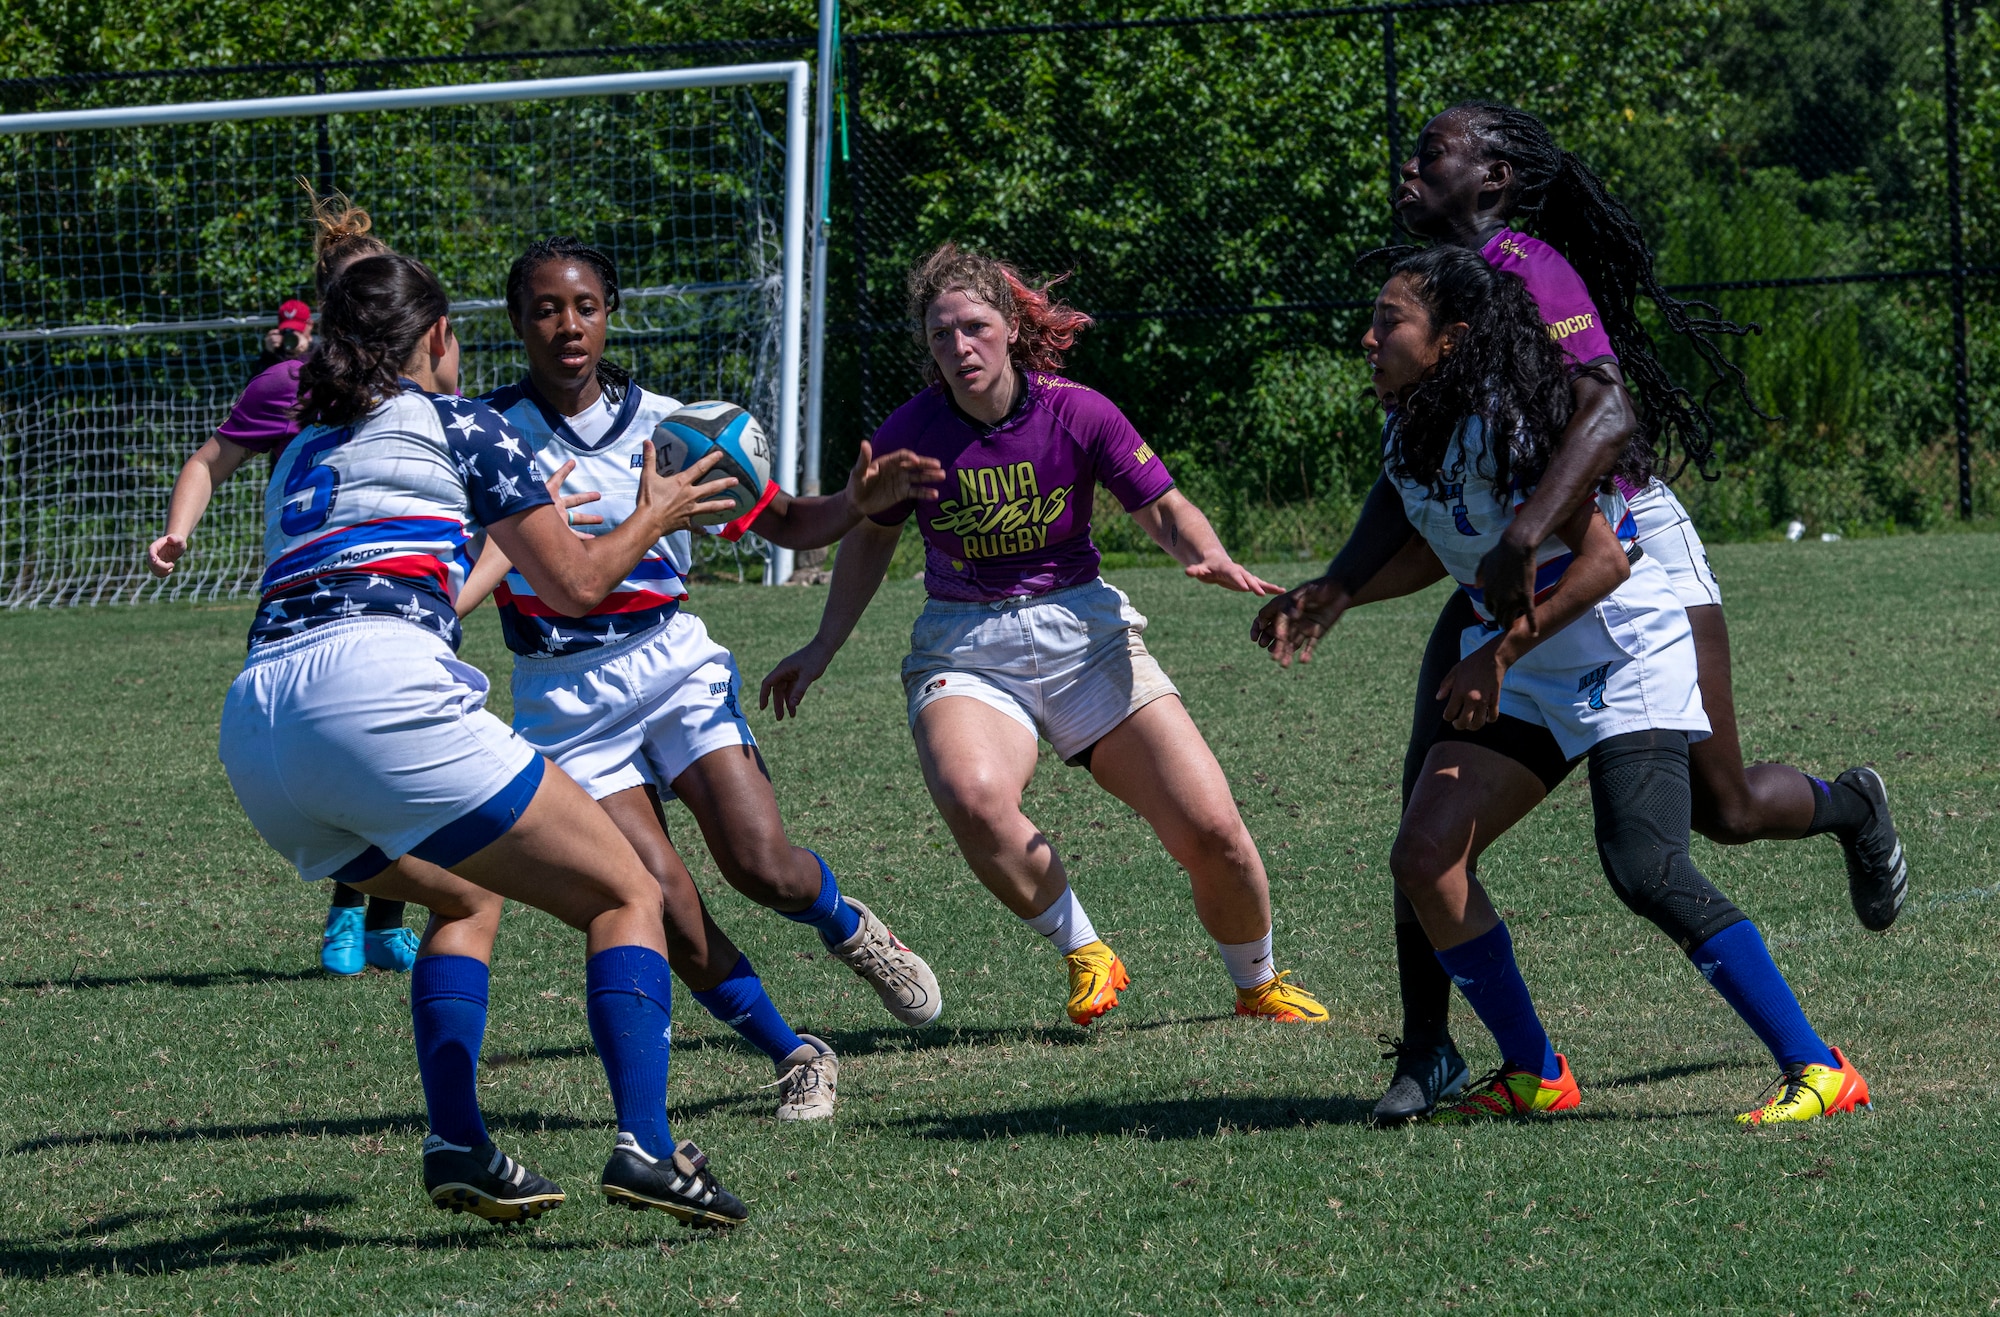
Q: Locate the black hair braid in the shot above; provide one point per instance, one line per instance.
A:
(1505, 368)
(377, 310)
(1561, 201)
(612, 378)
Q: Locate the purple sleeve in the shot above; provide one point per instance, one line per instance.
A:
(1126, 463)
(1559, 292)
(262, 420)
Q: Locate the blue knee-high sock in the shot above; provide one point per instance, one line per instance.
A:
(631, 1020)
(1485, 972)
(1738, 963)
(833, 917)
(448, 1014)
(740, 1002)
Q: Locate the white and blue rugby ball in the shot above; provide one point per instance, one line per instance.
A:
(694, 431)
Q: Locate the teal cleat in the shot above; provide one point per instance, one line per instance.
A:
(393, 949)
(340, 950)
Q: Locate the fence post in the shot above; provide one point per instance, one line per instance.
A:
(1961, 384)
(857, 183)
(1390, 129)
(324, 144)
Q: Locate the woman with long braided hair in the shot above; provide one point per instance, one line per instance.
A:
(1492, 178)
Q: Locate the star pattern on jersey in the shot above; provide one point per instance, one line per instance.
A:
(349, 607)
(468, 466)
(507, 486)
(610, 633)
(413, 610)
(509, 444)
(378, 582)
(466, 423)
(555, 641)
(274, 611)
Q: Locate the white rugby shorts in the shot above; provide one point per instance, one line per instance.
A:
(637, 712)
(358, 742)
(1625, 666)
(1069, 665)
(1668, 536)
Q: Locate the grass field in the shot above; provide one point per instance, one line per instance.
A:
(196, 1120)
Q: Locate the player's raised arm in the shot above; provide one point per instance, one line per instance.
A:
(876, 484)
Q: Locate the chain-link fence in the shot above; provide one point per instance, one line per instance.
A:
(1822, 169)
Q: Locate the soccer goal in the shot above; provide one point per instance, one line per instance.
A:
(144, 250)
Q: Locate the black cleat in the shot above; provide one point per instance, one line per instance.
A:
(485, 1182)
(681, 1184)
(1425, 1077)
(1878, 877)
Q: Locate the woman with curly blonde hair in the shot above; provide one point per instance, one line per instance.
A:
(1022, 639)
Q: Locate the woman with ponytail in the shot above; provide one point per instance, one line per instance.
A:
(640, 705)
(263, 422)
(361, 748)
(1021, 638)
(1490, 178)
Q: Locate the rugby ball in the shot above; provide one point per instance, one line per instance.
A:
(698, 429)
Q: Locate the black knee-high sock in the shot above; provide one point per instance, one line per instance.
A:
(382, 914)
(345, 897)
(1426, 987)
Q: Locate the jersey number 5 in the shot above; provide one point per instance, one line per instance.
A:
(311, 488)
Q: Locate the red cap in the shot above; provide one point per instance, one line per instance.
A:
(294, 315)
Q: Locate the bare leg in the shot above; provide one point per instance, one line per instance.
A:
(977, 761)
(700, 952)
(1157, 762)
(1468, 796)
(1733, 805)
(729, 793)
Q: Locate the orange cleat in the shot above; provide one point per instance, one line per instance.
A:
(1096, 976)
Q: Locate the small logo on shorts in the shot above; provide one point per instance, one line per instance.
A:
(638, 460)
(937, 685)
(717, 687)
(1593, 682)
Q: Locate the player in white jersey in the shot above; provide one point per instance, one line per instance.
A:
(1479, 392)
(638, 704)
(360, 747)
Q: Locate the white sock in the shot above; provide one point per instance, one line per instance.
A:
(1064, 923)
(1249, 963)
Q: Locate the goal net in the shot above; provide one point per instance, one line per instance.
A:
(144, 251)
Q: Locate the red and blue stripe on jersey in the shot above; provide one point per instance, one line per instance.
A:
(655, 587)
(374, 518)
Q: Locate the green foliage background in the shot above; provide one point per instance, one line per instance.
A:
(1244, 166)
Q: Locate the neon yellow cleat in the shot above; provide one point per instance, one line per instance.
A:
(1276, 999)
(1506, 1094)
(1096, 976)
(1811, 1091)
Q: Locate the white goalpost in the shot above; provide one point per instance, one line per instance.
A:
(144, 250)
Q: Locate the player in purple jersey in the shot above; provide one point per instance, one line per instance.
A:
(651, 711)
(262, 422)
(1021, 637)
(361, 749)
(1483, 176)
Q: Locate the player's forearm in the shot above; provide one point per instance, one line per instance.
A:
(1600, 567)
(569, 574)
(858, 569)
(1414, 567)
(486, 574)
(1178, 527)
(1599, 429)
(1382, 532)
(211, 464)
(808, 522)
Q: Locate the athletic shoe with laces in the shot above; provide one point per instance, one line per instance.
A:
(681, 1185)
(1275, 999)
(807, 1080)
(393, 949)
(1424, 1077)
(898, 975)
(1807, 1092)
(1509, 1094)
(485, 1182)
(1878, 876)
(340, 948)
(1096, 977)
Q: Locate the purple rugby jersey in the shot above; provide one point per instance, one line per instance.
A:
(1013, 514)
(1558, 291)
(262, 420)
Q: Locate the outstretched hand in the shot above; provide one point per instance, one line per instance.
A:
(1292, 625)
(1230, 575)
(788, 682)
(877, 484)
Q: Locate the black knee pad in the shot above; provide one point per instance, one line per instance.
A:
(1640, 793)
